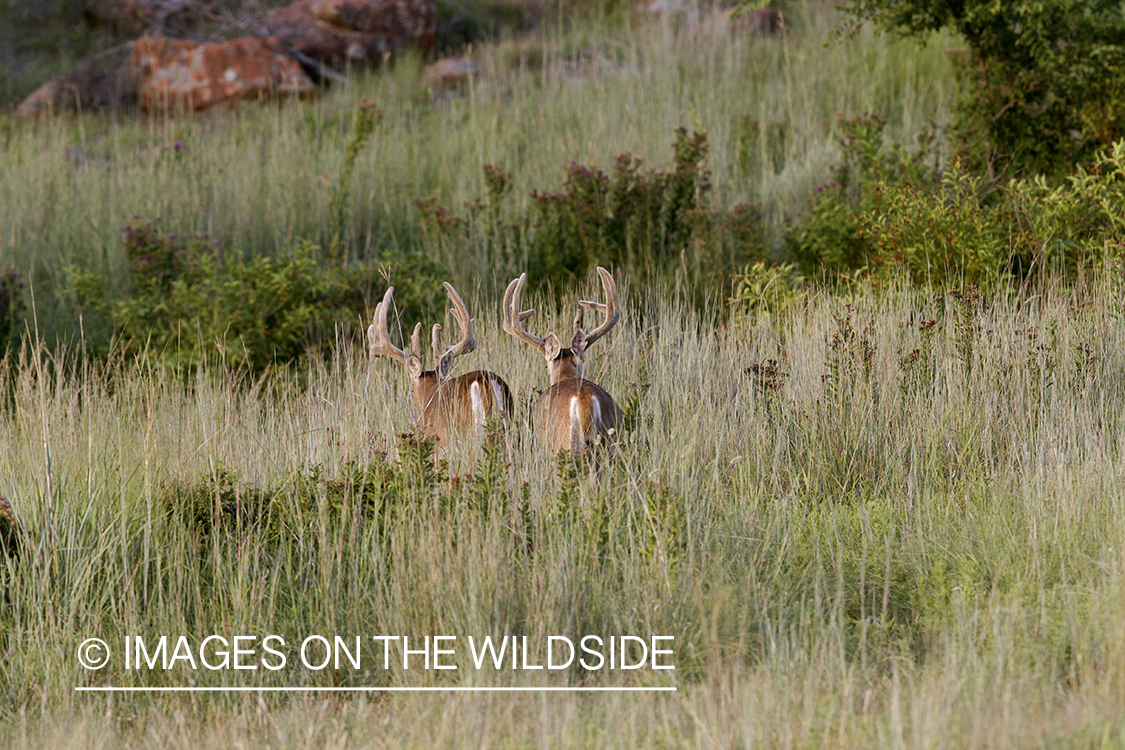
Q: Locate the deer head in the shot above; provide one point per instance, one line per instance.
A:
(562, 363)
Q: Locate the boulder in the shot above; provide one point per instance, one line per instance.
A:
(154, 17)
(160, 72)
(338, 32)
(102, 81)
(449, 73)
(175, 73)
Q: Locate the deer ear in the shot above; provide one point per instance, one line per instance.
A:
(413, 366)
(578, 343)
(553, 347)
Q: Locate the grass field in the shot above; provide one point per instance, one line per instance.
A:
(885, 517)
(881, 549)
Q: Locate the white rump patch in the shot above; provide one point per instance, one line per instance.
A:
(577, 439)
(498, 403)
(480, 414)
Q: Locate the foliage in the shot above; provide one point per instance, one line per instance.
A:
(1065, 230)
(1041, 85)
(889, 215)
(188, 302)
(938, 234)
(654, 225)
(767, 289)
(831, 240)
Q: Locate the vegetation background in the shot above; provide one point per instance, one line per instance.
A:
(873, 396)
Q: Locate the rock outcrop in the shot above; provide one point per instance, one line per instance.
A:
(337, 33)
(152, 17)
(174, 73)
(102, 81)
(448, 73)
(163, 73)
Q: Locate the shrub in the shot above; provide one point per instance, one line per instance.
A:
(1066, 229)
(187, 302)
(652, 224)
(1041, 85)
(831, 239)
(937, 233)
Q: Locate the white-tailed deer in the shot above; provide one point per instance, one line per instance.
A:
(573, 413)
(444, 406)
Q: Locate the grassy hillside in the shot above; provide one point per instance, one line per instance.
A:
(884, 516)
(260, 178)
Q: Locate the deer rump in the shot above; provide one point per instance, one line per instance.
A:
(463, 402)
(572, 414)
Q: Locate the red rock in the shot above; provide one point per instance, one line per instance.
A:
(177, 73)
(335, 32)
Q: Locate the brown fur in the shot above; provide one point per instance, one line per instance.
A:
(560, 428)
(449, 406)
(552, 416)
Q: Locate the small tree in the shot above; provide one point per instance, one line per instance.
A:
(1042, 82)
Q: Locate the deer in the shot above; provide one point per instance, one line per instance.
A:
(445, 407)
(572, 413)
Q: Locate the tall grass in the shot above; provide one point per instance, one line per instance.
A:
(879, 546)
(259, 178)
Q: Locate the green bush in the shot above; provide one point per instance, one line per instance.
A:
(653, 224)
(1065, 230)
(187, 302)
(938, 234)
(1041, 83)
(831, 239)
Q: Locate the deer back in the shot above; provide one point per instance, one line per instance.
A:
(462, 402)
(573, 414)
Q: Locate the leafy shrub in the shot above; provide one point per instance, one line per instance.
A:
(831, 239)
(187, 302)
(938, 233)
(888, 214)
(762, 289)
(652, 224)
(1066, 229)
(1041, 84)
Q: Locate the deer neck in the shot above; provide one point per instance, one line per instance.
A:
(566, 366)
(426, 388)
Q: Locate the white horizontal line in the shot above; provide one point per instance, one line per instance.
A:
(460, 689)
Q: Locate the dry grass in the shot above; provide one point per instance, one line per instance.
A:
(879, 557)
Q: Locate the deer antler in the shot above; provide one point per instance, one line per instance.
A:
(513, 316)
(609, 308)
(379, 341)
(443, 360)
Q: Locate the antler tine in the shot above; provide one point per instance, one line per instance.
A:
(416, 340)
(443, 358)
(435, 341)
(461, 315)
(609, 308)
(513, 317)
(378, 339)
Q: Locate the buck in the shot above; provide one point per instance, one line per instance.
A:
(573, 413)
(444, 406)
